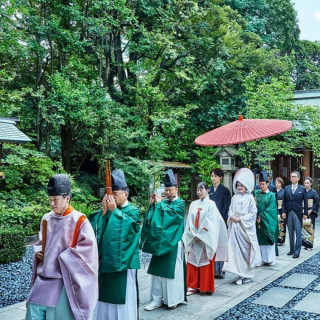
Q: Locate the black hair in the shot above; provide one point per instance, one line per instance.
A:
(241, 184)
(280, 180)
(202, 185)
(218, 172)
(308, 178)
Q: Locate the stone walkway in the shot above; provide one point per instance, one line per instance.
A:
(264, 291)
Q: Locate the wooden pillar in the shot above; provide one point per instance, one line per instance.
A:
(177, 177)
(275, 168)
(306, 162)
(289, 168)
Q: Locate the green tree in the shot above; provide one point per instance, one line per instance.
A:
(307, 72)
(136, 79)
(282, 30)
(274, 100)
(275, 21)
(12, 60)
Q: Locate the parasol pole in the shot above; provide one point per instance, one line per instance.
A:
(247, 154)
(108, 181)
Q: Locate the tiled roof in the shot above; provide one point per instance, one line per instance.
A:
(10, 133)
(231, 150)
(171, 164)
(307, 97)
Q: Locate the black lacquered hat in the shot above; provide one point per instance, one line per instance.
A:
(59, 184)
(118, 180)
(169, 179)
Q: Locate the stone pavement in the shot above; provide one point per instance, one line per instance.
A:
(227, 294)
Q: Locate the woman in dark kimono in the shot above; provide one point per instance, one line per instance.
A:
(313, 207)
(282, 222)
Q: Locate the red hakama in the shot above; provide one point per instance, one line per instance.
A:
(201, 278)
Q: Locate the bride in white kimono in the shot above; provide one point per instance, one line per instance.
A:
(243, 247)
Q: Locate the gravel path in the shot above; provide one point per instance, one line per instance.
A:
(15, 278)
(247, 310)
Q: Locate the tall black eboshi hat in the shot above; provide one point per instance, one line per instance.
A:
(263, 176)
(169, 179)
(118, 180)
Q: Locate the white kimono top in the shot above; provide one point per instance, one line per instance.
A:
(205, 223)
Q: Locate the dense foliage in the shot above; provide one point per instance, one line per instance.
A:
(273, 100)
(12, 244)
(139, 80)
(307, 72)
(23, 196)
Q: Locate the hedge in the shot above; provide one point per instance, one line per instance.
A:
(28, 217)
(12, 244)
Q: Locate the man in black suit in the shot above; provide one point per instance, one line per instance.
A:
(222, 197)
(292, 210)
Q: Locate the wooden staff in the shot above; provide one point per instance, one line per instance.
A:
(108, 188)
(44, 235)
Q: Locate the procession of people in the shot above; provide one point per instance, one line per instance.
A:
(86, 267)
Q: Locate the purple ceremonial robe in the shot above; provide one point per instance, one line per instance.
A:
(74, 268)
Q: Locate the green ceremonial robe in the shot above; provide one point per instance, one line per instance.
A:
(162, 230)
(118, 235)
(267, 230)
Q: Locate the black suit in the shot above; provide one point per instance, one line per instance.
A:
(293, 202)
(292, 207)
(222, 198)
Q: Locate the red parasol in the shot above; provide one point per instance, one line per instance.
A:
(243, 130)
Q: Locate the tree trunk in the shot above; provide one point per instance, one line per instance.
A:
(119, 60)
(48, 131)
(79, 166)
(66, 147)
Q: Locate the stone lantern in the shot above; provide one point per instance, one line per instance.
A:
(227, 162)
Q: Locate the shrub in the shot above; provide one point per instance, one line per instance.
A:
(89, 182)
(28, 217)
(86, 208)
(141, 177)
(23, 196)
(206, 161)
(26, 168)
(12, 244)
